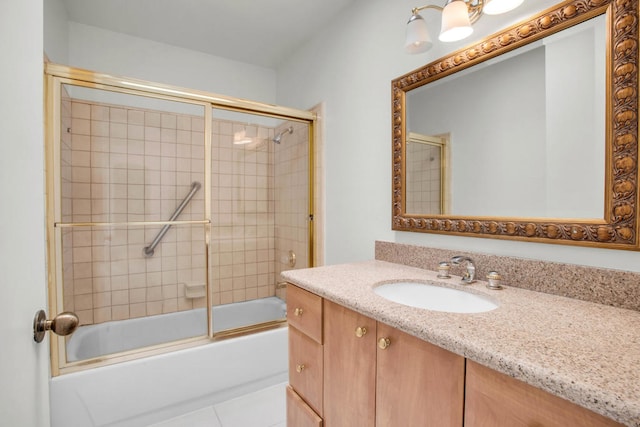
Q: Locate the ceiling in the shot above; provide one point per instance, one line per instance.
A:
(260, 32)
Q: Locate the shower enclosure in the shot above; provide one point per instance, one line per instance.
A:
(166, 201)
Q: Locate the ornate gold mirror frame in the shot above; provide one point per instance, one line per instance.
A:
(619, 228)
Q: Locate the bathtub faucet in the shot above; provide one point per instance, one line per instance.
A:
(470, 274)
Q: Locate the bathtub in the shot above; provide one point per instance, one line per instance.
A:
(122, 335)
(144, 391)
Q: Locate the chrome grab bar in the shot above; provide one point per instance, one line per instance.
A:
(149, 250)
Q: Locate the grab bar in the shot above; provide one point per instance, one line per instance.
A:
(149, 250)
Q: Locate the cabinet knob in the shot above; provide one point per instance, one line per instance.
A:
(297, 312)
(299, 368)
(383, 343)
(361, 331)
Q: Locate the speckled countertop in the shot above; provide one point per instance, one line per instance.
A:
(584, 352)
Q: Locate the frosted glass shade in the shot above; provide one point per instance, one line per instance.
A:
(455, 22)
(417, 38)
(496, 7)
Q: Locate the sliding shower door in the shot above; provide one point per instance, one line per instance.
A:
(170, 214)
(131, 221)
(260, 216)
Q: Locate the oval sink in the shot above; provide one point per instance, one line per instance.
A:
(436, 298)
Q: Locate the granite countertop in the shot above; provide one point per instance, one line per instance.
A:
(584, 352)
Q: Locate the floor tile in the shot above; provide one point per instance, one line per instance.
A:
(205, 417)
(263, 408)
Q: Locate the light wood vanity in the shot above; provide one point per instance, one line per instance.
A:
(351, 369)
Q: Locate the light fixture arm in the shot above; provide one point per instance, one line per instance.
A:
(475, 8)
(416, 10)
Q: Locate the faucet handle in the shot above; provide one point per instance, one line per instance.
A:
(494, 280)
(443, 270)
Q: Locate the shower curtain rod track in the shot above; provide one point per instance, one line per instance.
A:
(149, 250)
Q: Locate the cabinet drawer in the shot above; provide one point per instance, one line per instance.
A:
(299, 414)
(304, 311)
(306, 368)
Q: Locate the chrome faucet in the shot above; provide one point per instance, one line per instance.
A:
(470, 275)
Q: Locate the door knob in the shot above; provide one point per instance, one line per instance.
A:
(63, 324)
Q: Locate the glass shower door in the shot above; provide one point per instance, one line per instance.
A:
(170, 214)
(131, 220)
(260, 216)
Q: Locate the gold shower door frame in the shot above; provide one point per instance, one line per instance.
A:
(58, 75)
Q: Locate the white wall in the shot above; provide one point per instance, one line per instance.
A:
(575, 134)
(491, 133)
(56, 31)
(115, 53)
(350, 67)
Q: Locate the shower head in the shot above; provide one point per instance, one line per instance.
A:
(278, 137)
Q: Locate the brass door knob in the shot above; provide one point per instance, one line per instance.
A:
(297, 312)
(361, 331)
(63, 324)
(384, 343)
(299, 368)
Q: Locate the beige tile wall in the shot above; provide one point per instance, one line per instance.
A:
(130, 165)
(66, 180)
(292, 196)
(423, 179)
(242, 242)
(122, 165)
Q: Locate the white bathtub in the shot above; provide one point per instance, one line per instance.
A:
(152, 389)
(113, 337)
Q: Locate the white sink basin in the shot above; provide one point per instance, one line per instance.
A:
(436, 298)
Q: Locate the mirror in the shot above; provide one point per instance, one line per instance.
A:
(553, 159)
(512, 122)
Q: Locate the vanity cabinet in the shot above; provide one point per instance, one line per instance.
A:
(306, 368)
(350, 367)
(299, 414)
(417, 383)
(346, 369)
(495, 399)
(376, 375)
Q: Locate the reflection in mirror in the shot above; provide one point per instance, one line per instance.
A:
(527, 130)
(557, 168)
(427, 178)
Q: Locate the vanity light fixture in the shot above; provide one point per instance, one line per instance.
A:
(458, 16)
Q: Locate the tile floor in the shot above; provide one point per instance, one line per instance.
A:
(262, 408)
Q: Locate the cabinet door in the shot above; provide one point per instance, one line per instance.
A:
(349, 367)
(497, 400)
(298, 413)
(418, 384)
(305, 368)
